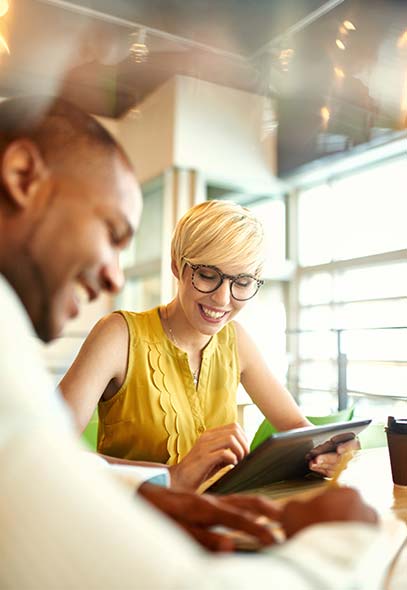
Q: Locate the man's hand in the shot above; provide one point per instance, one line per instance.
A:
(339, 504)
(215, 448)
(198, 514)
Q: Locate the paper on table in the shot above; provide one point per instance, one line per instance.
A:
(131, 474)
(136, 474)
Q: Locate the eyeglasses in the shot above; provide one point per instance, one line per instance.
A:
(207, 279)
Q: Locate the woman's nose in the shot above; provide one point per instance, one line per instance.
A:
(222, 294)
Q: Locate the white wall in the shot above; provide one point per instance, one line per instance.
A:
(215, 130)
(220, 132)
(147, 134)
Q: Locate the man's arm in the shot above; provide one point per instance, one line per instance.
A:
(336, 504)
(198, 514)
(61, 515)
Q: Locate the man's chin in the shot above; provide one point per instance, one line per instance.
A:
(48, 330)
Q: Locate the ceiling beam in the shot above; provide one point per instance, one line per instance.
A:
(135, 27)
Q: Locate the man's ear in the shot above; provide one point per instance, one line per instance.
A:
(174, 269)
(22, 171)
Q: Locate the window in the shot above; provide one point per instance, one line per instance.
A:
(352, 291)
(356, 216)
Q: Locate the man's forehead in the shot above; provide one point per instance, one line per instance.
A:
(106, 180)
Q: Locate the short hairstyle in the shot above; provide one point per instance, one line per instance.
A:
(219, 233)
(60, 129)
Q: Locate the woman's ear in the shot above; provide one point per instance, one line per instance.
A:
(174, 269)
(22, 170)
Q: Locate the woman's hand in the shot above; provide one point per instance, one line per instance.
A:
(326, 463)
(214, 449)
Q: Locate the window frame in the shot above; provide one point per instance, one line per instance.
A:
(395, 151)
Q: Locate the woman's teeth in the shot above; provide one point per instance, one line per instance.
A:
(216, 315)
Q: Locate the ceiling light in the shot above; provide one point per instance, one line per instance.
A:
(402, 40)
(4, 48)
(403, 102)
(139, 49)
(340, 44)
(339, 73)
(3, 7)
(134, 113)
(325, 115)
(285, 56)
(349, 25)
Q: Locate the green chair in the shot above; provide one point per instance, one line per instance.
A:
(90, 434)
(266, 429)
(373, 436)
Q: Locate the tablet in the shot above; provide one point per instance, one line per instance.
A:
(285, 455)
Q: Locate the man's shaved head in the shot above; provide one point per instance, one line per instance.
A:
(69, 203)
(61, 131)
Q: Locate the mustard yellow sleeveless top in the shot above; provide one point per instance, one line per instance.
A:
(157, 414)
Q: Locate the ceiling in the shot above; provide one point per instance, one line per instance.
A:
(237, 26)
(285, 49)
(83, 48)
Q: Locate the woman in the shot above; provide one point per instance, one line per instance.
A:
(166, 379)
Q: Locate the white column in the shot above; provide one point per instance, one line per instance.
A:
(182, 190)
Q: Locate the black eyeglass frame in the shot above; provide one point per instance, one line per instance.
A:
(222, 277)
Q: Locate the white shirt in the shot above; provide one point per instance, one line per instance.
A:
(67, 524)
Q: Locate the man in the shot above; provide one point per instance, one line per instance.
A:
(69, 202)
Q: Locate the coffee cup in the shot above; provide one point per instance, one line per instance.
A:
(397, 440)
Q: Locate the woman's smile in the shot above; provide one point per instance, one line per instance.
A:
(211, 314)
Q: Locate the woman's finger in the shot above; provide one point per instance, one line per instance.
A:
(326, 460)
(350, 445)
(228, 430)
(222, 440)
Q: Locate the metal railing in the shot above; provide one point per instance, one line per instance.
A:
(342, 391)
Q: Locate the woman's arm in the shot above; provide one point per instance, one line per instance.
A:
(99, 369)
(274, 401)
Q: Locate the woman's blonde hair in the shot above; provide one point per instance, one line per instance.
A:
(220, 233)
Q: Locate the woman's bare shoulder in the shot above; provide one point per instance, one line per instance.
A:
(112, 329)
(240, 331)
(247, 348)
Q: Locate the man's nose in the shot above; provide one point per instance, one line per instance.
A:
(222, 294)
(112, 276)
